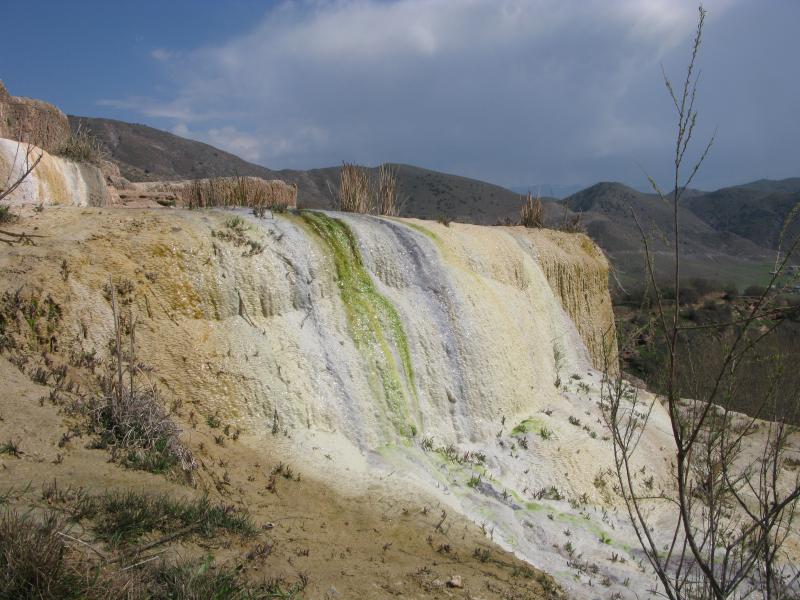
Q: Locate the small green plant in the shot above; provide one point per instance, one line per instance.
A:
(482, 554)
(574, 421)
(237, 224)
(427, 444)
(474, 481)
(545, 433)
(213, 421)
(11, 447)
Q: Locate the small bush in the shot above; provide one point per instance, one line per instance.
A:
(135, 426)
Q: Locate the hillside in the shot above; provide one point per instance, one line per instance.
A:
(147, 154)
(729, 234)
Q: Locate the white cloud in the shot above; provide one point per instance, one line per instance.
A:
(503, 89)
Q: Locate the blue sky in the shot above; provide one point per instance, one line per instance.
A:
(516, 92)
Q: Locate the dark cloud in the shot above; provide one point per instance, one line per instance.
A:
(513, 91)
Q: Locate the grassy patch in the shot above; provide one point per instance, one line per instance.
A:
(32, 561)
(122, 518)
(38, 562)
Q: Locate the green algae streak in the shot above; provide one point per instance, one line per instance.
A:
(375, 325)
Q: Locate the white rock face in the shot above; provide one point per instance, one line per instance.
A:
(397, 356)
(54, 181)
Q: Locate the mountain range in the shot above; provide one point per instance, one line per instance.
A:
(731, 235)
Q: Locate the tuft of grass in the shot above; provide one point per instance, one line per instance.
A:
(133, 423)
(37, 564)
(482, 554)
(474, 481)
(11, 447)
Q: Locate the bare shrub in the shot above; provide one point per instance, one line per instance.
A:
(82, 146)
(129, 417)
(532, 212)
(354, 189)
(252, 192)
(732, 505)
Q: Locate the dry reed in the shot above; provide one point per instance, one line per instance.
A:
(238, 191)
(387, 191)
(354, 193)
(532, 212)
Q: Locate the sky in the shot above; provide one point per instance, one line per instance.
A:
(516, 92)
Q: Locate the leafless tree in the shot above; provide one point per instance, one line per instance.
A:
(731, 503)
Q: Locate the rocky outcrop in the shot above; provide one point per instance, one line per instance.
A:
(33, 121)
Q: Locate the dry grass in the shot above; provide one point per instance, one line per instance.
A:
(354, 192)
(32, 559)
(82, 146)
(252, 192)
(532, 212)
(387, 191)
(41, 560)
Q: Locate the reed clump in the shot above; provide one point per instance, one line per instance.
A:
(532, 212)
(387, 191)
(365, 193)
(354, 193)
(227, 192)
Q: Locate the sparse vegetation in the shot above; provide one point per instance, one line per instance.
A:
(235, 232)
(82, 146)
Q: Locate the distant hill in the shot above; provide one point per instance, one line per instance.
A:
(729, 234)
(147, 154)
